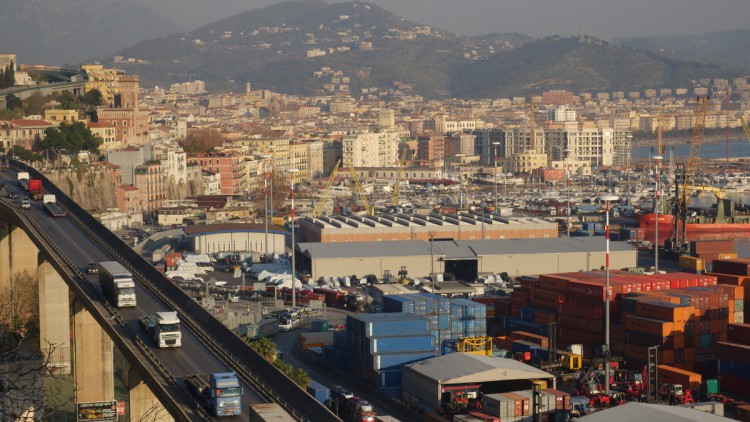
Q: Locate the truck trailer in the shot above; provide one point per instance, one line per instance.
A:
(164, 328)
(50, 204)
(220, 392)
(117, 284)
(36, 192)
(23, 180)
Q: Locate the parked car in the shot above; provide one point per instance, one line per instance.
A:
(12, 195)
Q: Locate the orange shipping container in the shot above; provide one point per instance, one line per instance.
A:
(650, 326)
(584, 324)
(664, 311)
(530, 337)
(671, 375)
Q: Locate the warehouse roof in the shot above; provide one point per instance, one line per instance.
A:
(232, 227)
(458, 368)
(459, 249)
(417, 220)
(638, 412)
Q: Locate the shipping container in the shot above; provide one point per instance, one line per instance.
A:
(671, 375)
(319, 391)
(738, 333)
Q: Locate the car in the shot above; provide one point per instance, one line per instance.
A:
(126, 237)
(92, 268)
(12, 195)
(25, 204)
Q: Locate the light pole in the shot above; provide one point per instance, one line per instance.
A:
(567, 195)
(270, 200)
(607, 198)
(294, 277)
(494, 174)
(265, 204)
(657, 205)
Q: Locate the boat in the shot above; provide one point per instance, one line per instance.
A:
(694, 225)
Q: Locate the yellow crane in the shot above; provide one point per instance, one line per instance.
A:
(320, 207)
(396, 186)
(744, 127)
(369, 209)
(691, 166)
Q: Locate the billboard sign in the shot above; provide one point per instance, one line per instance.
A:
(97, 411)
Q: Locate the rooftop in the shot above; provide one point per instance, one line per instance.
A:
(457, 368)
(411, 220)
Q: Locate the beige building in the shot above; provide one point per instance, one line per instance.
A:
(105, 80)
(465, 259)
(108, 133)
(237, 237)
(131, 123)
(59, 116)
(149, 179)
(370, 149)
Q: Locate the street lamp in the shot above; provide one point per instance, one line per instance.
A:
(294, 281)
(567, 188)
(270, 201)
(265, 203)
(657, 205)
(607, 198)
(494, 174)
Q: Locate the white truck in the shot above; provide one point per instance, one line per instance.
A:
(164, 327)
(50, 204)
(117, 284)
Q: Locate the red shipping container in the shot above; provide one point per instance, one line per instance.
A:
(738, 333)
(573, 335)
(522, 406)
(583, 311)
(732, 266)
(663, 311)
(591, 289)
(554, 282)
(739, 353)
(733, 384)
(688, 380)
(562, 399)
(542, 341)
(649, 326)
(711, 245)
(584, 324)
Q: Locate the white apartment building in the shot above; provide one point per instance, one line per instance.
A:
(370, 149)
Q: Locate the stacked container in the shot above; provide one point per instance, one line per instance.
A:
(379, 345)
(735, 272)
(734, 359)
(710, 250)
(518, 405)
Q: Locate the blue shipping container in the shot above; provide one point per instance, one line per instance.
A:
(391, 360)
(401, 344)
(319, 391)
(389, 378)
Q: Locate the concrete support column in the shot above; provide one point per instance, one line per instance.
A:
(144, 406)
(54, 317)
(24, 253)
(4, 255)
(93, 358)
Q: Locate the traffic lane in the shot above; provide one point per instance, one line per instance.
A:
(191, 358)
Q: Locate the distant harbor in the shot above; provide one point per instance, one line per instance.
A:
(737, 149)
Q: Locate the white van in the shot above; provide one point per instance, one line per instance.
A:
(25, 204)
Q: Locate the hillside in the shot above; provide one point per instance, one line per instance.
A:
(308, 47)
(728, 48)
(57, 32)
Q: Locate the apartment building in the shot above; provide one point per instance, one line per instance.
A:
(56, 117)
(273, 143)
(230, 167)
(431, 146)
(26, 133)
(131, 123)
(370, 149)
(149, 179)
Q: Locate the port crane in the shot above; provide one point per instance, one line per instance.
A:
(369, 209)
(745, 128)
(679, 240)
(320, 206)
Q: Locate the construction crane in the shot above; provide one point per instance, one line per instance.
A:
(369, 209)
(691, 165)
(744, 127)
(396, 186)
(320, 207)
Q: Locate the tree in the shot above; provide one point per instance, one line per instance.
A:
(12, 102)
(8, 76)
(202, 141)
(68, 101)
(265, 347)
(24, 361)
(72, 137)
(92, 98)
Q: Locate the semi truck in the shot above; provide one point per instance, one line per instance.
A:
(50, 204)
(23, 180)
(117, 284)
(35, 189)
(220, 392)
(164, 328)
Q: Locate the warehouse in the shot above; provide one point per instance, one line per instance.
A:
(426, 382)
(639, 412)
(236, 237)
(463, 258)
(390, 227)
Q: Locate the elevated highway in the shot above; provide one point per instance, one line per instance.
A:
(70, 243)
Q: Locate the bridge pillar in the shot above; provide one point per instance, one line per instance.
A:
(93, 358)
(142, 405)
(54, 317)
(18, 254)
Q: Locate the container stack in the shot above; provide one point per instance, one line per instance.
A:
(735, 272)
(645, 310)
(377, 346)
(518, 405)
(710, 250)
(467, 318)
(734, 359)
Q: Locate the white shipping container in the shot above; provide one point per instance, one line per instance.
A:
(498, 405)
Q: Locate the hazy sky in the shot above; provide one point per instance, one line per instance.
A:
(605, 19)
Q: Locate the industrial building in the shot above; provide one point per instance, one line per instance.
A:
(236, 237)
(392, 227)
(425, 382)
(466, 259)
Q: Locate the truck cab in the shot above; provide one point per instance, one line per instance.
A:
(167, 330)
(225, 394)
